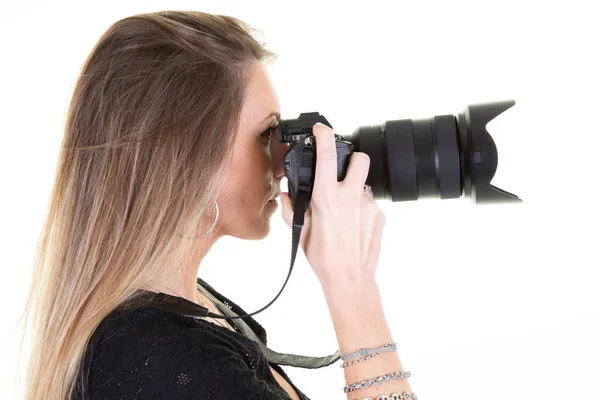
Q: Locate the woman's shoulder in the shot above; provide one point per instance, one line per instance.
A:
(145, 348)
(147, 327)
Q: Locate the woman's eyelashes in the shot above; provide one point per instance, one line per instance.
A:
(267, 134)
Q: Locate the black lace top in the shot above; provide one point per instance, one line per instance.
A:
(149, 352)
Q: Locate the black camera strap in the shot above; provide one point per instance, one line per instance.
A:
(305, 182)
(301, 200)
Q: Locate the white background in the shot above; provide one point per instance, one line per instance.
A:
(485, 302)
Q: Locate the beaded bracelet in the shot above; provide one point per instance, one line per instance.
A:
(394, 396)
(376, 381)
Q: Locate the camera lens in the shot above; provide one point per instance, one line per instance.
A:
(444, 156)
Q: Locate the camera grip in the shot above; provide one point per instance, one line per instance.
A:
(293, 163)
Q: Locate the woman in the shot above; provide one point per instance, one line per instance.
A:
(169, 135)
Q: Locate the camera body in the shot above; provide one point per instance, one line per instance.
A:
(300, 160)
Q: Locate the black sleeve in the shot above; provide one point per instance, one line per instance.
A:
(175, 365)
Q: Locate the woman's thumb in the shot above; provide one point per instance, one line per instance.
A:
(286, 208)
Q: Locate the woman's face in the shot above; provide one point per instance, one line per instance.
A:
(256, 171)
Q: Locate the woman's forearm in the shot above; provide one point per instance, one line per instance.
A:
(359, 322)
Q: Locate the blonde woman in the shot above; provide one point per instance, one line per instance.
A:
(168, 146)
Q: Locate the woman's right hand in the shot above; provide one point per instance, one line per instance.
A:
(341, 236)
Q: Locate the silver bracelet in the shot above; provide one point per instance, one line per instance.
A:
(366, 351)
(395, 396)
(376, 381)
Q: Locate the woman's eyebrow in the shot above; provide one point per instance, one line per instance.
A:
(273, 113)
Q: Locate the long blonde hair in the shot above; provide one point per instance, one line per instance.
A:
(150, 127)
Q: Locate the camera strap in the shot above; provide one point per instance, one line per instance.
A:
(301, 203)
(304, 190)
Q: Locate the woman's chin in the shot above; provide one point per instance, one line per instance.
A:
(260, 231)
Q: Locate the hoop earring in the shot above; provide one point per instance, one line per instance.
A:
(214, 223)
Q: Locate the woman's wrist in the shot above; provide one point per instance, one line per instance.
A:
(338, 286)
